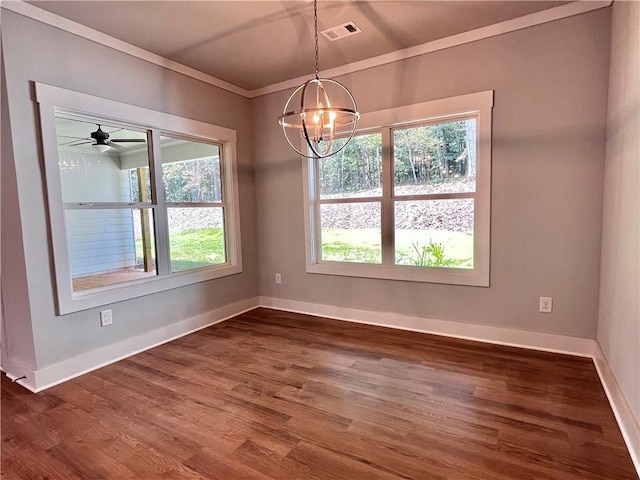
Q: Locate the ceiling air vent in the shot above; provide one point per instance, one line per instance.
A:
(341, 31)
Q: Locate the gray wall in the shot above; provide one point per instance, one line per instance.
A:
(550, 85)
(619, 319)
(34, 52)
(14, 280)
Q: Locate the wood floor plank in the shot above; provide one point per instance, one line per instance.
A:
(273, 395)
(20, 460)
(345, 465)
(209, 461)
(273, 465)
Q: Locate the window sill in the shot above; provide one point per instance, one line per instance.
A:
(101, 296)
(451, 276)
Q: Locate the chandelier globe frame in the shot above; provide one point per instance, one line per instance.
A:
(316, 120)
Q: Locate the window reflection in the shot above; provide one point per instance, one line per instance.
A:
(103, 172)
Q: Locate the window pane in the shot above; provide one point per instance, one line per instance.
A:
(356, 171)
(140, 184)
(108, 246)
(351, 232)
(190, 171)
(437, 158)
(196, 237)
(89, 174)
(434, 233)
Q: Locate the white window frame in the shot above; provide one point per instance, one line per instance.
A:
(54, 99)
(477, 105)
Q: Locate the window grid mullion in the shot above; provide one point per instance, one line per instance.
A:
(435, 196)
(387, 220)
(194, 204)
(316, 209)
(229, 251)
(107, 205)
(163, 262)
(327, 201)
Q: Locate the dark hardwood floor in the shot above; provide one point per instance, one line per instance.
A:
(274, 395)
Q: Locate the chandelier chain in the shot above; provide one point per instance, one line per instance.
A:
(315, 32)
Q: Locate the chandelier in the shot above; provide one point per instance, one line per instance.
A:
(310, 114)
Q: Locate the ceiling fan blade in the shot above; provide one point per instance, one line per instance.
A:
(75, 144)
(130, 140)
(72, 136)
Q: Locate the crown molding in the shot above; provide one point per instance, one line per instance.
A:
(75, 28)
(533, 19)
(538, 18)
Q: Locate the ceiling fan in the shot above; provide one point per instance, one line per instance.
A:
(103, 142)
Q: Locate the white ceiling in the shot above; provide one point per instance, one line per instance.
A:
(253, 44)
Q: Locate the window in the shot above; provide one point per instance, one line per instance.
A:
(409, 196)
(192, 181)
(140, 201)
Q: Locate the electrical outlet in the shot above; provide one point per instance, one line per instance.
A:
(278, 278)
(546, 304)
(106, 318)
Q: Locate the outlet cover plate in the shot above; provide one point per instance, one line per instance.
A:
(106, 318)
(546, 304)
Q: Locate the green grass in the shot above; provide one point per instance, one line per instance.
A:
(457, 246)
(194, 248)
(363, 245)
(346, 252)
(201, 247)
(351, 246)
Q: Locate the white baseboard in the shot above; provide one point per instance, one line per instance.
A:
(584, 347)
(627, 422)
(38, 380)
(41, 379)
(18, 372)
